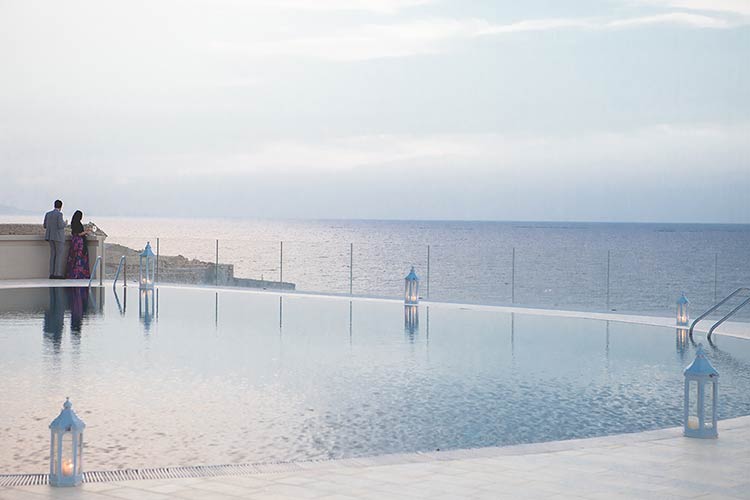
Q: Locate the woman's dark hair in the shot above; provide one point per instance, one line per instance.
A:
(76, 226)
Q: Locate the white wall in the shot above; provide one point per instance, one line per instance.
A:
(27, 256)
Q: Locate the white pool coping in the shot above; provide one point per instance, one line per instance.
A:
(729, 328)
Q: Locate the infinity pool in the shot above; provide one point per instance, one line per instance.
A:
(230, 377)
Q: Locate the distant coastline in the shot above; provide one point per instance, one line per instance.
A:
(9, 210)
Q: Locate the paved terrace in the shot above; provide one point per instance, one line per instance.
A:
(656, 464)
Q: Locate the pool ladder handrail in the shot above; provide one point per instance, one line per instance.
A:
(97, 267)
(715, 307)
(124, 269)
(729, 315)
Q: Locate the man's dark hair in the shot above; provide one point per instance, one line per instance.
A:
(58, 204)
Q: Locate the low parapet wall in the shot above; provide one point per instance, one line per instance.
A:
(27, 256)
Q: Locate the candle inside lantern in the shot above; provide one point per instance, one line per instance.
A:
(692, 423)
(67, 467)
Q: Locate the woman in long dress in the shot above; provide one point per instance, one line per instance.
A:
(78, 256)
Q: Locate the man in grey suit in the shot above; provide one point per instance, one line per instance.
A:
(54, 233)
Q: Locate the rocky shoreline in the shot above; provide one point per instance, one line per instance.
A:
(180, 269)
(171, 268)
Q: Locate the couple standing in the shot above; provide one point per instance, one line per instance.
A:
(78, 255)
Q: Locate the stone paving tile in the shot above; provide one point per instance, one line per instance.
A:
(134, 494)
(193, 494)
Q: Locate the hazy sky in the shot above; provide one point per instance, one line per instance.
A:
(625, 110)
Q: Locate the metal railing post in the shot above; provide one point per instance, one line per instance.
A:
(95, 269)
(351, 271)
(716, 275)
(513, 277)
(428, 271)
(120, 267)
(608, 266)
(156, 271)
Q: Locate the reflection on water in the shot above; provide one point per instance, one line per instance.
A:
(54, 318)
(682, 341)
(79, 301)
(411, 320)
(147, 310)
(335, 384)
(121, 306)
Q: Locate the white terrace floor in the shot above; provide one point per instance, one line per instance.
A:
(657, 464)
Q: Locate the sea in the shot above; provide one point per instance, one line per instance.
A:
(624, 267)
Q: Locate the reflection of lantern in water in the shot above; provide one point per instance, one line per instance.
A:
(66, 448)
(146, 268)
(683, 318)
(682, 339)
(411, 288)
(701, 397)
(146, 307)
(411, 318)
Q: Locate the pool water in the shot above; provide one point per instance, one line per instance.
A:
(233, 377)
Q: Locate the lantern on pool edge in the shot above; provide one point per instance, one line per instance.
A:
(701, 397)
(146, 268)
(683, 318)
(66, 448)
(411, 288)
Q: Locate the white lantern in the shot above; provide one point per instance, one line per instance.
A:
(683, 318)
(146, 268)
(66, 448)
(701, 397)
(411, 319)
(411, 288)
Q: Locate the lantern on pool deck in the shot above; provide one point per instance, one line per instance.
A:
(146, 268)
(683, 318)
(66, 448)
(701, 397)
(411, 288)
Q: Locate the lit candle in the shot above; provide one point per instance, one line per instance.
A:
(67, 467)
(692, 423)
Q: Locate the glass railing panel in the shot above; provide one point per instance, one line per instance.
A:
(561, 278)
(473, 273)
(255, 263)
(317, 266)
(380, 269)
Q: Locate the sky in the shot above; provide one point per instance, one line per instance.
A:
(607, 110)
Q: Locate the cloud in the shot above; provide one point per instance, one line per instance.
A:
(375, 41)
(639, 152)
(680, 18)
(377, 6)
(734, 7)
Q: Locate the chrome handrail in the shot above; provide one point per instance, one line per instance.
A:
(715, 307)
(96, 267)
(124, 274)
(729, 315)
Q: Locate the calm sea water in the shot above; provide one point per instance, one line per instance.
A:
(591, 266)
